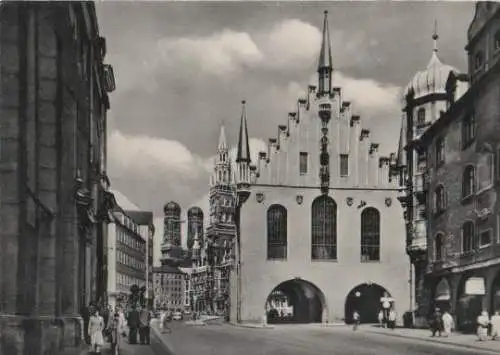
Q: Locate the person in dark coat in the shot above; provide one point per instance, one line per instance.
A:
(144, 319)
(133, 324)
(436, 322)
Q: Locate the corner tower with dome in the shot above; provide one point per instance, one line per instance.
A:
(425, 99)
(319, 226)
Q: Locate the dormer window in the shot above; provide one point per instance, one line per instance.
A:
(478, 60)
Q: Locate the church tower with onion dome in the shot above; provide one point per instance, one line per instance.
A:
(424, 100)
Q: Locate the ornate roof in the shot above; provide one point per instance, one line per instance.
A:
(172, 206)
(431, 80)
(195, 211)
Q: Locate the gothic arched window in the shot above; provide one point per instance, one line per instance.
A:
(370, 235)
(324, 228)
(276, 232)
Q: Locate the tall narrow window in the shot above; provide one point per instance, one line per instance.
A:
(324, 229)
(276, 232)
(468, 235)
(370, 235)
(303, 163)
(344, 165)
(468, 181)
(421, 116)
(468, 130)
(478, 60)
(438, 247)
(497, 41)
(485, 170)
(439, 199)
(440, 152)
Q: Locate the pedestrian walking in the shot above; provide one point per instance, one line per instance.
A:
(435, 322)
(392, 319)
(116, 330)
(495, 325)
(448, 323)
(144, 320)
(483, 321)
(355, 317)
(381, 318)
(96, 327)
(133, 325)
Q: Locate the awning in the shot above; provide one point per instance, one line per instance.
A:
(443, 292)
(475, 286)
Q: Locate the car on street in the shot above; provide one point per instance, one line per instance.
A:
(177, 316)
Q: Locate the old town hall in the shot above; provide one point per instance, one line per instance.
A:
(321, 230)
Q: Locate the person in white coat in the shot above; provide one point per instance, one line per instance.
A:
(96, 327)
(495, 325)
(483, 322)
(448, 323)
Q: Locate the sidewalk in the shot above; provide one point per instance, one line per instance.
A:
(126, 349)
(469, 341)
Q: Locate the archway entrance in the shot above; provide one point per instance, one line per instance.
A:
(295, 301)
(442, 296)
(366, 299)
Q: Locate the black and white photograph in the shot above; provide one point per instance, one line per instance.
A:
(249, 177)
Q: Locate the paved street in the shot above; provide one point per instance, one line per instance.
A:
(225, 339)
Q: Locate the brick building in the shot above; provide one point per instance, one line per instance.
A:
(54, 199)
(462, 151)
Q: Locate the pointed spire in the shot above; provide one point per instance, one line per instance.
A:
(435, 37)
(222, 139)
(243, 144)
(325, 55)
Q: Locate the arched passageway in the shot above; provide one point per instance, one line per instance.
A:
(368, 300)
(295, 301)
(442, 296)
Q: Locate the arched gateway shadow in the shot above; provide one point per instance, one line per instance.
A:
(366, 300)
(295, 301)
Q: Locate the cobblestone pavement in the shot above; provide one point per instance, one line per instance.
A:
(225, 339)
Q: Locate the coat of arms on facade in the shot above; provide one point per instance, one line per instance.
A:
(259, 196)
(300, 199)
(349, 201)
(388, 201)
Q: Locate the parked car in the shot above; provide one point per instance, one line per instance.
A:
(177, 316)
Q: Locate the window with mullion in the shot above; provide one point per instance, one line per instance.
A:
(370, 235)
(467, 237)
(277, 232)
(324, 229)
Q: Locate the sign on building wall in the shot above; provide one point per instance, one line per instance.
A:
(475, 286)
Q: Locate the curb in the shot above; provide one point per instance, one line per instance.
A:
(242, 325)
(465, 346)
(156, 334)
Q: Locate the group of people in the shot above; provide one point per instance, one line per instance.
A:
(484, 322)
(102, 323)
(443, 324)
(387, 318)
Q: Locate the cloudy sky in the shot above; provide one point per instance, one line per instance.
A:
(182, 69)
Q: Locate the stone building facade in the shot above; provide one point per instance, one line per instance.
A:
(424, 100)
(54, 190)
(169, 288)
(318, 216)
(462, 155)
(127, 255)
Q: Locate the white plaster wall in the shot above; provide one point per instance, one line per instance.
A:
(334, 278)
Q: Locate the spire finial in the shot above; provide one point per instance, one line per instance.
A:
(243, 154)
(435, 36)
